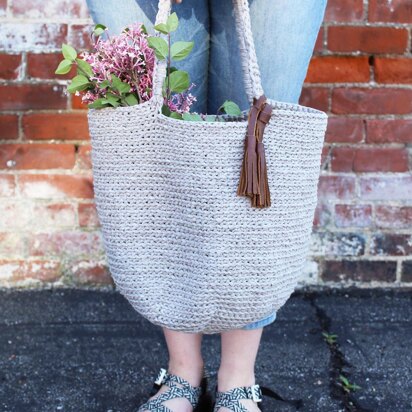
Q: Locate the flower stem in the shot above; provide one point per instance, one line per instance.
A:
(168, 69)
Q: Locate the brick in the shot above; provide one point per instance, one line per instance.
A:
(325, 157)
(406, 271)
(21, 270)
(393, 217)
(344, 10)
(322, 215)
(389, 131)
(56, 186)
(344, 130)
(79, 36)
(54, 215)
(3, 7)
(7, 185)
(316, 97)
(381, 160)
(397, 11)
(393, 70)
(326, 244)
(32, 96)
(88, 215)
(371, 101)
(84, 160)
(386, 187)
(43, 66)
(26, 214)
(15, 214)
(338, 69)
(367, 39)
(88, 272)
(9, 128)
(24, 36)
(60, 126)
(40, 9)
(342, 159)
(37, 156)
(336, 187)
(9, 66)
(353, 215)
(389, 244)
(319, 41)
(73, 243)
(12, 244)
(76, 102)
(360, 271)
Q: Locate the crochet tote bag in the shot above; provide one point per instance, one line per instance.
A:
(187, 252)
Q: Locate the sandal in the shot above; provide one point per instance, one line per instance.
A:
(231, 398)
(178, 388)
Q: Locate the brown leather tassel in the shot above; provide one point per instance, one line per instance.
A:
(253, 177)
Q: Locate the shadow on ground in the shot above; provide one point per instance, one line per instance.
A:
(83, 350)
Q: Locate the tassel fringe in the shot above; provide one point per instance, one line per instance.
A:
(253, 176)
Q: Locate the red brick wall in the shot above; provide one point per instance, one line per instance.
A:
(361, 74)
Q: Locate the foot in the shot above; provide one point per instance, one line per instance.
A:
(182, 404)
(229, 381)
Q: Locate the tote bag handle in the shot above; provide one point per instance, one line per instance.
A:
(250, 67)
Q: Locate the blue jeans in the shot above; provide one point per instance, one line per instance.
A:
(284, 31)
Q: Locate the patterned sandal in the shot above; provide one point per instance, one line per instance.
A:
(231, 398)
(178, 388)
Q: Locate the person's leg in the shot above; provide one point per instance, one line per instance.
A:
(284, 33)
(237, 366)
(193, 26)
(185, 360)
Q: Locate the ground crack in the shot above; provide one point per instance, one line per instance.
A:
(338, 364)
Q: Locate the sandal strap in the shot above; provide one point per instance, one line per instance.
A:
(191, 393)
(230, 399)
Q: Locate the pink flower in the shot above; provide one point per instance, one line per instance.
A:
(128, 56)
(181, 102)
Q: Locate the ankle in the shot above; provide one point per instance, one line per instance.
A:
(192, 372)
(229, 379)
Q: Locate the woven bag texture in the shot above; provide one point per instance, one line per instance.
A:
(182, 247)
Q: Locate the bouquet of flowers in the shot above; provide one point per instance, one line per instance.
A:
(119, 71)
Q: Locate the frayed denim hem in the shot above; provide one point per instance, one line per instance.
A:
(261, 323)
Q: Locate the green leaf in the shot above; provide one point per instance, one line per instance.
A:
(191, 117)
(120, 86)
(68, 52)
(173, 69)
(181, 49)
(131, 99)
(165, 110)
(113, 99)
(98, 104)
(104, 84)
(231, 108)
(175, 115)
(172, 22)
(64, 67)
(85, 67)
(162, 27)
(159, 46)
(179, 81)
(99, 29)
(78, 83)
(210, 118)
(144, 30)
